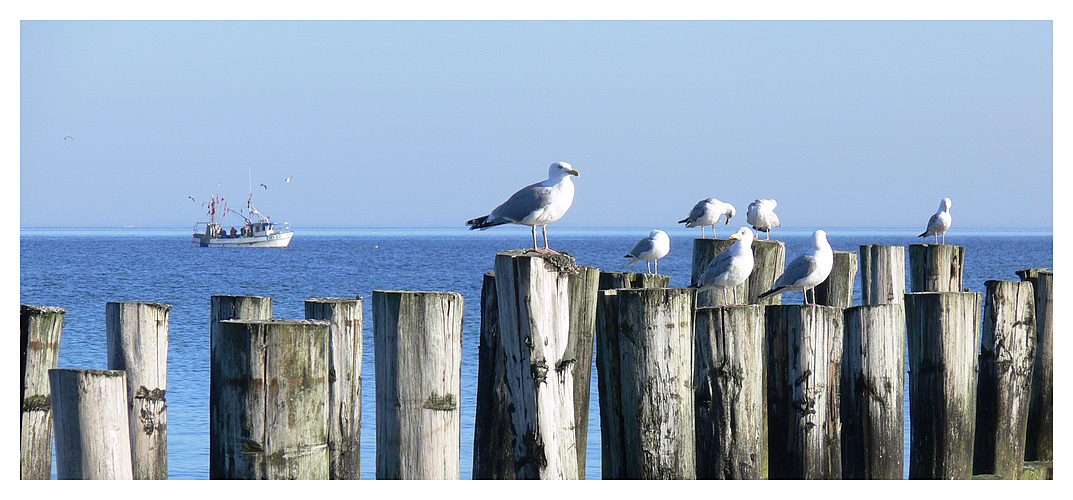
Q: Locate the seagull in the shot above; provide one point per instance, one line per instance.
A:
(263, 184)
(656, 246)
(289, 178)
(191, 198)
(706, 213)
(939, 222)
(732, 266)
(535, 205)
(68, 137)
(761, 216)
(807, 270)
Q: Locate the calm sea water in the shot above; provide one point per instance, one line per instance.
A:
(83, 269)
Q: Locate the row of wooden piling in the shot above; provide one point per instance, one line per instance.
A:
(687, 389)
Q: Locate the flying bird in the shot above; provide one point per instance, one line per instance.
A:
(263, 185)
(192, 198)
(68, 137)
(706, 213)
(535, 205)
(807, 270)
(732, 266)
(761, 216)
(656, 246)
(289, 178)
(939, 222)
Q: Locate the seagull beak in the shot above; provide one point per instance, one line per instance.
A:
(735, 236)
(573, 172)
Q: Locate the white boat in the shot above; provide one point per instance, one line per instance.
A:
(258, 231)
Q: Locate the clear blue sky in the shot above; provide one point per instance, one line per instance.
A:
(430, 123)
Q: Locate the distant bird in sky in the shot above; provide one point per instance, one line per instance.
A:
(939, 222)
(289, 178)
(191, 198)
(68, 137)
(263, 185)
(656, 246)
(707, 212)
(535, 205)
(807, 270)
(761, 216)
(218, 184)
(732, 266)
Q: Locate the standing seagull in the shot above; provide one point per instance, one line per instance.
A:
(939, 222)
(706, 213)
(656, 246)
(732, 266)
(807, 270)
(535, 205)
(761, 216)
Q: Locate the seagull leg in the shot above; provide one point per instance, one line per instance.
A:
(545, 250)
(535, 248)
(702, 232)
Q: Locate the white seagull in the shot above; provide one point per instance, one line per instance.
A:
(535, 205)
(807, 270)
(939, 222)
(732, 266)
(761, 216)
(706, 213)
(289, 178)
(656, 246)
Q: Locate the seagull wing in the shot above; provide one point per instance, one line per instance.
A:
(802, 266)
(716, 267)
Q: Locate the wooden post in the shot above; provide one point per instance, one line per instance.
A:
(645, 367)
(225, 307)
(137, 336)
(493, 441)
(936, 268)
(613, 280)
(344, 318)
(769, 257)
(582, 296)
(1007, 355)
(837, 289)
(943, 332)
(418, 342)
(534, 315)
(1040, 434)
(272, 375)
(873, 391)
(728, 370)
(90, 422)
(40, 330)
(804, 346)
(882, 274)
(704, 250)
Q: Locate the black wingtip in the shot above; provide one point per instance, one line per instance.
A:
(683, 220)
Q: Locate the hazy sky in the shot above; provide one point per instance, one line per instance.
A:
(430, 123)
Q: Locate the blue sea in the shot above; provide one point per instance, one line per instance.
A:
(83, 269)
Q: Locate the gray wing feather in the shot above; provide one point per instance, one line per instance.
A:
(641, 247)
(799, 268)
(520, 204)
(717, 266)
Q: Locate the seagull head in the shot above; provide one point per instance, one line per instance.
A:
(729, 212)
(657, 234)
(744, 234)
(561, 169)
(819, 238)
(945, 204)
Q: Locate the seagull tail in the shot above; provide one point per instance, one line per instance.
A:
(635, 259)
(925, 233)
(684, 220)
(482, 223)
(773, 291)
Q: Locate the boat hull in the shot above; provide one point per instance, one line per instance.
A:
(277, 240)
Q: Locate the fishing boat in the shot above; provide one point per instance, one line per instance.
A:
(258, 230)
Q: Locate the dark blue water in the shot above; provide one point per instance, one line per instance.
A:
(81, 270)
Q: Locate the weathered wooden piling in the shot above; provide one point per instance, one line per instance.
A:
(936, 268)
(837, 289)
(645, 366)
(532, 294)
(769, 257)
(89, 411)
(40, 330)
(344, 318)
(1040, 433)
(943, 333)
(1004, 388)
(872, 393)
(731, 430)
(137, 337)
(493, 441)
(612, 280)
(583, 287)
(221, 308)
(882, 274)
(417, 338)
(271, 381)
(804, 358)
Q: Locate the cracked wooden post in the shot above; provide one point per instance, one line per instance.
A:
(344, 318)
(936, 268)
(837, 289)
(272, 375)
(612, 280)
(541, 358)
(225, 307)
(137, 337)
(943, 334)
(873, 392)
(728, 381)
(769, 258)
(1004, 388)
(882, 274)
(417, 338)
(89, 411)
(1040, 434)
(583, 286)
(804, 352)
(40, 330)
(645, 366)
